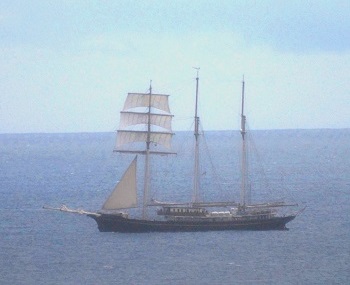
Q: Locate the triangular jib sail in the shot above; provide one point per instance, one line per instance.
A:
(124, 194)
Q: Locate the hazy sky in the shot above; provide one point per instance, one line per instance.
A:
(66, 66)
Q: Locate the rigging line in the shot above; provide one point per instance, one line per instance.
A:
(259, 159)
(216, 176)
(184, 142)
(181, 146)
(260, 163)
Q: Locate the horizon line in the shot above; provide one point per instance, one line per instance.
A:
(183, 131)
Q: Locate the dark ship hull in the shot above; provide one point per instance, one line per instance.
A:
(119, 223)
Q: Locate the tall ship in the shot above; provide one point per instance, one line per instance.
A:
(146, 121)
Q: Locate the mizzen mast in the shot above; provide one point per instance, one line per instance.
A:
(195, 198)
(244, 152)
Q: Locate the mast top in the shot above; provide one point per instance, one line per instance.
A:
(196, 128)
(197, 68)
(243, 83)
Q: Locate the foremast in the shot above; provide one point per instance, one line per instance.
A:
(148, 143)
(145, 118)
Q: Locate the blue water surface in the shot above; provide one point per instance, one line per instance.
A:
(311, 167)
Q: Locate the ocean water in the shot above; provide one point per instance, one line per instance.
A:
(311, 167)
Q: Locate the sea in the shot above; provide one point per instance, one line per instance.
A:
(38, 246)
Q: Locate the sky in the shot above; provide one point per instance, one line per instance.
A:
(67, 66)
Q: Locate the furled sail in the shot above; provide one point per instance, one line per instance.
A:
(124, 194)
(145, 117)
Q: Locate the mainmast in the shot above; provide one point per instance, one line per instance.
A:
(148, 142)
(244, 152)
(195, 198)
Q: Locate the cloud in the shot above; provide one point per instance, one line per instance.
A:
(83, 77)
(294, 26)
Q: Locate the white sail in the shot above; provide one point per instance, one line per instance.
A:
(145, 118)
(158, 101)
(124, 194)
(136, 118)
(125, 137)
(152, 125)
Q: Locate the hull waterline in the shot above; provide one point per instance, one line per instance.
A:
(115, 223)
